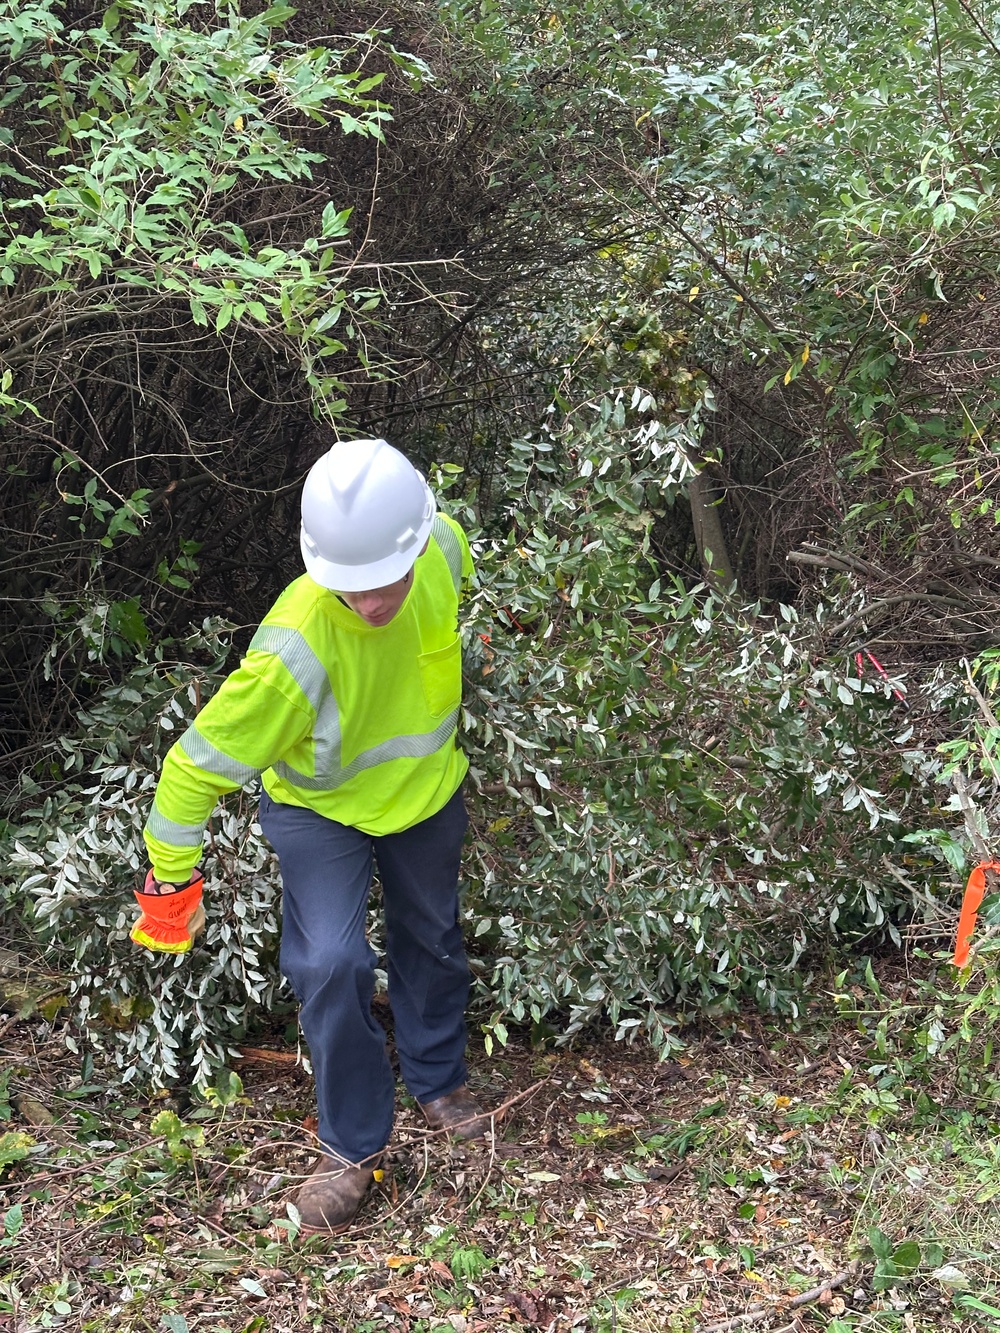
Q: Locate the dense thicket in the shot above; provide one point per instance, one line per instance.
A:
(692, 314)
(776, 227)
(214, 255)
(811, 287)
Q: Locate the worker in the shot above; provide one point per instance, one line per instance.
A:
(347, 705)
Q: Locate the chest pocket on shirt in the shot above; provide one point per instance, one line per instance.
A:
(441, 676)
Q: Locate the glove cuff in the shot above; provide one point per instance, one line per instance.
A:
(150, 883)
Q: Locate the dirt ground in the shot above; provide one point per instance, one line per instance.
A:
(735, 1187)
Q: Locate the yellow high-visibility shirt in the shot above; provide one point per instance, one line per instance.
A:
(357, 722)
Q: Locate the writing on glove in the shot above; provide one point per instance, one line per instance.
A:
(169, 921)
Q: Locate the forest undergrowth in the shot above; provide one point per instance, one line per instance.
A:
(693, 326)
(765, 1178)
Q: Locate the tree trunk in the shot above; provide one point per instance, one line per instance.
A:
(712, 550)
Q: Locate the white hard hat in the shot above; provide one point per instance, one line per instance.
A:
(366, 513)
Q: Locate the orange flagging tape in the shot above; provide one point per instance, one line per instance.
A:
(975, 891)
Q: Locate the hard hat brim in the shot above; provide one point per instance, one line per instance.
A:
(376, 574)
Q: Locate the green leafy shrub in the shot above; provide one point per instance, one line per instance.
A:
(77, 855)
(151, 120)
(938, 1041)
(686, 804)
(678, 804)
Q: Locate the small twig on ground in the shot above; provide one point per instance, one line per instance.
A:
(490, 1164)
(650, 1235)
(757, 1312)
(810, 1068)
(264, 1055)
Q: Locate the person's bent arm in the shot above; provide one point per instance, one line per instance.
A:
(243, 730)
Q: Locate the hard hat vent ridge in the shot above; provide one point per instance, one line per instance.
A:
(349, 479)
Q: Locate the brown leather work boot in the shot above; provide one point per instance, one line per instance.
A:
(459, 1114)
(332, 1195)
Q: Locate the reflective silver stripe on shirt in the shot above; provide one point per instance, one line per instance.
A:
(451, 548)
(168, 830)
(397, 747)
(310, 676)
(299, 660)
(213, 760)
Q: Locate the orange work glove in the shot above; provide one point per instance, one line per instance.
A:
(169, 921)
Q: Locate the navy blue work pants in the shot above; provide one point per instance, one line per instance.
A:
(326, 873)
